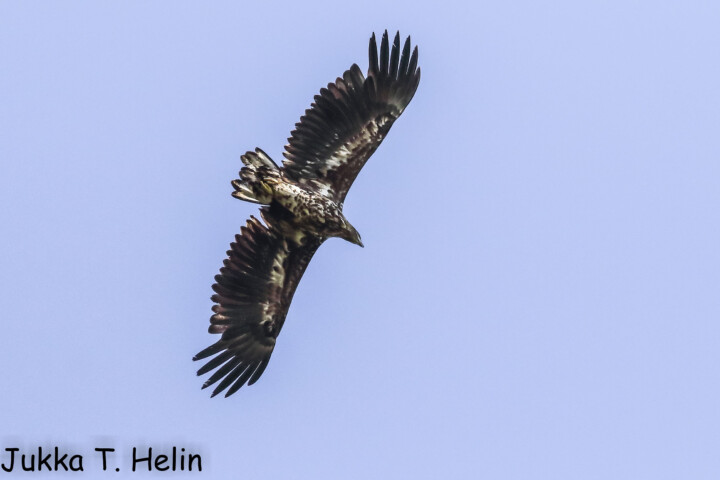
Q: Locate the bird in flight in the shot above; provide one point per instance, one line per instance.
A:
(302, 207)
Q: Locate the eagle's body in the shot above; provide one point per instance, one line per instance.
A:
(302, 207)
(305, 211)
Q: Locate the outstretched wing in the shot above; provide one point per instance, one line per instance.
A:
(350, 118)
(253, 293)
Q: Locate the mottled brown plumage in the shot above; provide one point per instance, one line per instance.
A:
(303, 203)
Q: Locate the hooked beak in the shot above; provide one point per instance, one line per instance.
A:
(352, 236)
(356, 239)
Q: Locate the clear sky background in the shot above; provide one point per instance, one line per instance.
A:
(539, 296)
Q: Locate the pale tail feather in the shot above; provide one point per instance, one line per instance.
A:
(259, 170)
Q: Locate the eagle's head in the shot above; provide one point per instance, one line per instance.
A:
(349, 233)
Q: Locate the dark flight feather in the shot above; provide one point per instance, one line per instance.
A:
(253, 293)
(350, 118)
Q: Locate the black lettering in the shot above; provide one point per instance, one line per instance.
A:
(12, 459)
(104, 451)
(43, 460)
(146, 459)
(31, 468)
(193, 457)
(79, 467)
(159, 461)
(60, 461)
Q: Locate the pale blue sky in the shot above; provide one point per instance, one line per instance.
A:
(539, 296)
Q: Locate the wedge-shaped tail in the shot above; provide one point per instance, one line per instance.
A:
(256, 177)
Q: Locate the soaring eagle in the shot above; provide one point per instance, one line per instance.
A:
(302, 207)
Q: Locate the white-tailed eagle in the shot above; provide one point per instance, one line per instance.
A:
(302, 207)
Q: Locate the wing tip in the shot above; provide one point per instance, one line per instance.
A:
(386, 63)
(393, 75)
